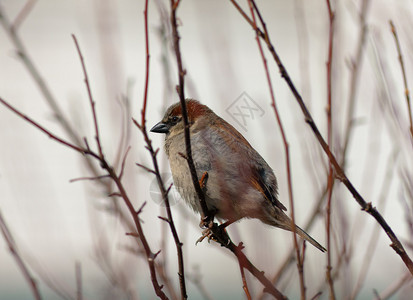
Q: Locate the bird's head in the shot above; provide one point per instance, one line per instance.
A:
(172, 122)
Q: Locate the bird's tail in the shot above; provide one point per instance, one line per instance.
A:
(283, 221)
(308, 238)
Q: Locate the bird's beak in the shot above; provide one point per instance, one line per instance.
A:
(160, 128)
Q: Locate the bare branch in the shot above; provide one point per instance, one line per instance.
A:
(23, 13)
(153, 153)
(330, 180)
(406, 88)
(43, 129)
(89, 92)
(122, 169)
(19, 260)
(89, 178)
(78, 272)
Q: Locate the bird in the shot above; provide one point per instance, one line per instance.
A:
(240, 184)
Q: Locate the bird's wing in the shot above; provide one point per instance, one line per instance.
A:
(269, 191)
(259, 173)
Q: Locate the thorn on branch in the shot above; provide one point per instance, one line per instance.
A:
(134, 234)
(146, 168)
(368, 207)
(136, 123)
(138, 212)
(152, 257)
(115, 194)
(156, 254)
(89, 178)
(86, 144)
(169, 188)
(164, 219)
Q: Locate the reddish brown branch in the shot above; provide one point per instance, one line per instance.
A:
(244, 279)
(153, 153)
(89, 93)
(340, 174)
(330, 180)
(19, 260)
(43, 129)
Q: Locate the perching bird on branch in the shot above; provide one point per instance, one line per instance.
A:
(240, 184)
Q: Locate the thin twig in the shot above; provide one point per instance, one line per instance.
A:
(354, 81)
(43, 129)
(89, 92)
(406, 88)
(244, 283)
(146, 168)
(374, 236)
(19, 260)
(153, 153)
(394, 287)
(89, 178)
(122, 169)
(78, 273)
(330, 181)
(23, 13)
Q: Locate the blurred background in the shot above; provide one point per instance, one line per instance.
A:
(63, 228)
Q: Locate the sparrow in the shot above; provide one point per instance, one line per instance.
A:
(240, 184)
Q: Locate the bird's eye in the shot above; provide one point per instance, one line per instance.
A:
(175, 119)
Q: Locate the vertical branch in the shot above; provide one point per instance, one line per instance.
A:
(89, 92)
(330, 182)
(300, 265)
(406, 88)
(78, 273)
(244, 282)
(205, 215)
(354, 81)
(13, 250)
(161, 185)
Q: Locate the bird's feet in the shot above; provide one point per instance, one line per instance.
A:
(216, 233)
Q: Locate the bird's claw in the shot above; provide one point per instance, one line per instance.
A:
(215, 233)
(207, 233)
